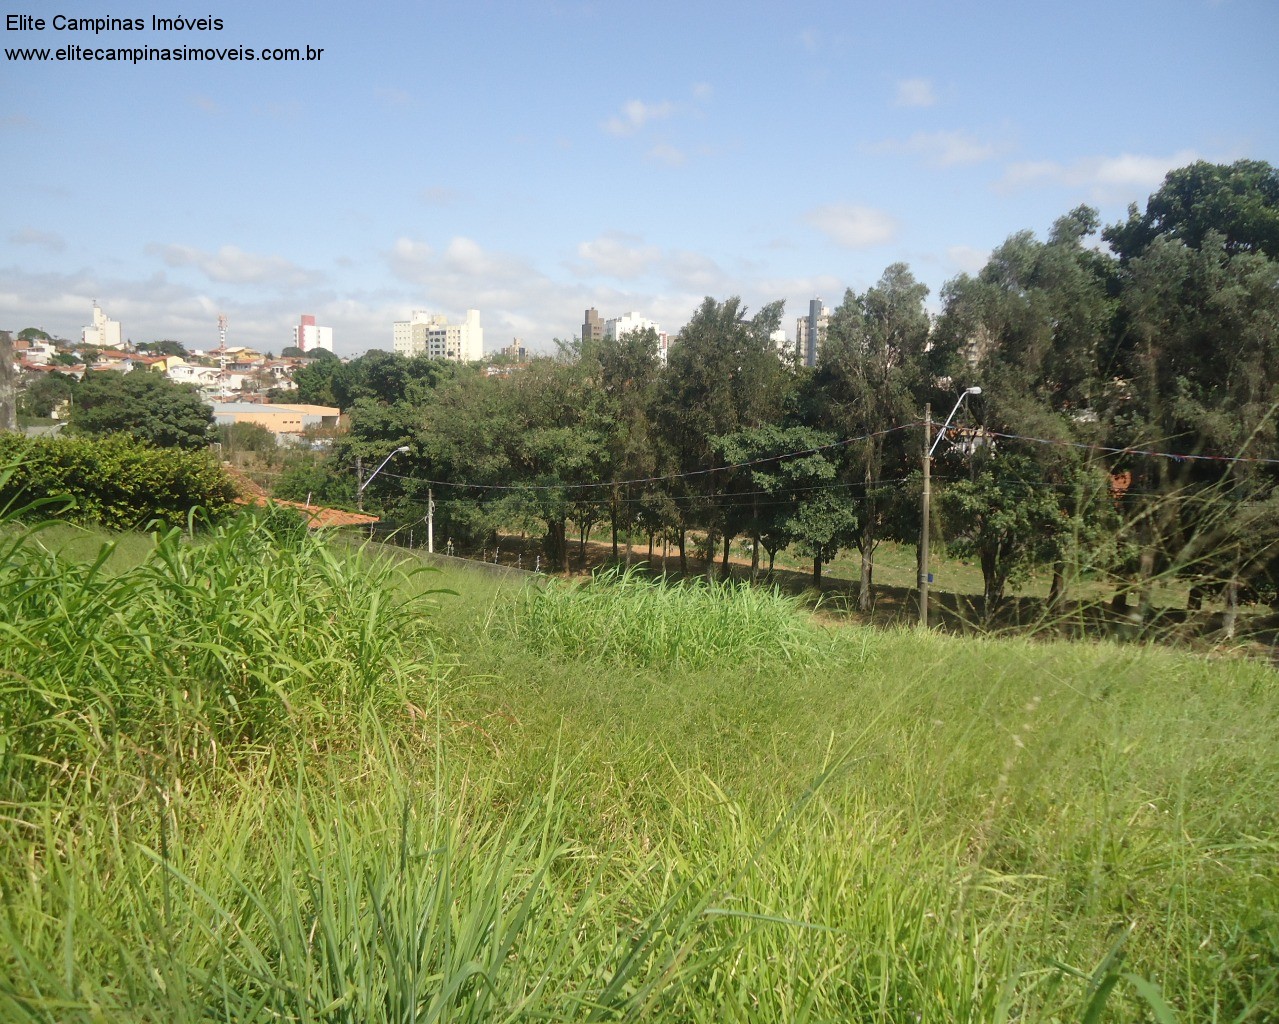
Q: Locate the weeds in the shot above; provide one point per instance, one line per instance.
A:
(627, 618)
(233, 790)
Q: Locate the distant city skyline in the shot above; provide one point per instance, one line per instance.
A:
(561, 156)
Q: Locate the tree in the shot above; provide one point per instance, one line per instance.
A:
(1239, 202)
(1197, 373)
(870, 367)
(787, 492)
(45, 393)
(628, 374)
(166, 347)
(1003, 515)
(1036, 326)
(723, 375)
(142, 403)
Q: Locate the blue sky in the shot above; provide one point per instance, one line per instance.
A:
(534, 159)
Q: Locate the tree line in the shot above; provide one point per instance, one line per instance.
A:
(1126, 426)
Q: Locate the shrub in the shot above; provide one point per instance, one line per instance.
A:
(117, 481)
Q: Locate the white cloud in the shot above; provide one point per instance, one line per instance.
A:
(810, 39)
(967, 259)
(439, 195)
(616, 254)
(940, 149)
(667, 154)
(698, 274)
(50, 240)
(852, 226)
(703, 92)
(1104, 177)
(915, 92)
(635, 114)
(232, 265)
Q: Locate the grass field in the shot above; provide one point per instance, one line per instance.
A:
(255, 778)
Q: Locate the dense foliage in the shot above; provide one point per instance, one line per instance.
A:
(117, 481)
(1126, 429)
(142, 403)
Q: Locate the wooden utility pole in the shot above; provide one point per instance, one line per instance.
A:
(923, 526)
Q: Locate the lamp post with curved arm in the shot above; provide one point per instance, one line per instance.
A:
(363, 483)
(930, 446)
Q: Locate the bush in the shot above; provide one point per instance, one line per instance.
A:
(116, 481)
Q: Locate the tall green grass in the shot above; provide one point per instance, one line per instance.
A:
(628, 618)
(243, 783)
(254, 632)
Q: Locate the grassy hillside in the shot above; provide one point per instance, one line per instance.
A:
(259, 779)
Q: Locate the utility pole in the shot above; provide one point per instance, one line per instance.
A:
(923, 529)
(430, 521)
(929, 447)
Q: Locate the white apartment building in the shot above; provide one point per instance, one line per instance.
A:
(431, 335)
(102, 332)
(627, 322)
(307, 335)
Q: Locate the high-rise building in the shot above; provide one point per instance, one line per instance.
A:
(430, 334)
(810, 332)
(785, 347)
(628, 322)
(307, 336)
(592, 326)
(102, 332)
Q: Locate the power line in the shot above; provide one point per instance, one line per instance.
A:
(662, 478)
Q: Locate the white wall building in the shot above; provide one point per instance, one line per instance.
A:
(102, 332)
(627, 322)
(308, 336)
(430, 334)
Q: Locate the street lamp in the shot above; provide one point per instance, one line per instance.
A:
(946, 426)
(362, 483)
(930, 446)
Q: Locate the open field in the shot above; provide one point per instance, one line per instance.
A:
(255, 778)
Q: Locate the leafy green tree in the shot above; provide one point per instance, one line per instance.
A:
(1197, 372)
(166, 347)
(321, 483)
(1237, 202)
(628, 375)
(1036, 329)
(723, 375)
(145, 404)
(787, 492)
(44, 393)
(237, 438)
(1005, 516)
(868, 374)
